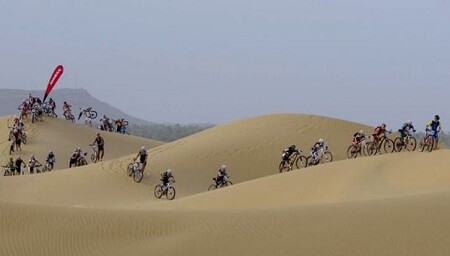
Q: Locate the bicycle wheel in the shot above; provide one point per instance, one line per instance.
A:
(388, 146)
(283, 167)
(398, 144)
(212, 187)
(158, 191)
(125, 123)
(429, 142)
(130, 169)
(93, 158)
(170, 193)
(308, 161)
(24, 140)
(93, 114)
(411, 144)
(371, 148)
(82, 162)
(352, 152)
(300, 162)
(138, 175)
(327, 157)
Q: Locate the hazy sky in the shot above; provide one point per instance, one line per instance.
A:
(214, 61)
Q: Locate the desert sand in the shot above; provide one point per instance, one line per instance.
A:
(395, 204)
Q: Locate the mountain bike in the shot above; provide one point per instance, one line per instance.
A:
(8, 172)
(224, 183)
(135, 169)
(165, 190)
(323, 156)
(354, 150)
(374, 147)
(94, 153)
(88, 112)
(427, 143)
(296, 159)
(69, 116)
(81, 160)
(407, 142)
(48, 167)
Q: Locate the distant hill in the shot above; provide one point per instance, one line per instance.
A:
(10, 100)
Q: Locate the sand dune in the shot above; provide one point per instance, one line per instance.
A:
(392, 204)
(63, 137)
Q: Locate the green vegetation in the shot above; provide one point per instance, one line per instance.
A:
(166, 132)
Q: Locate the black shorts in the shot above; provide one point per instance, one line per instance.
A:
(101, 148)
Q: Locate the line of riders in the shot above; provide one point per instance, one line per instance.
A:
(106, 123)
(34, 107)
(360, 145)
(137, 166)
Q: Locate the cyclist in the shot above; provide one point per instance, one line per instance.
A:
(11, 166)
(435, 126)
(51, 160)
(406, 130)
(100, 142)
(166, 177)
(142, 155)
(19, 162)
(52, 104)
(379, 130)
(318, 146)
(287, 152)
(32, 163)
(74, 157)
(66, 108)
(221, 174)
(358, 138)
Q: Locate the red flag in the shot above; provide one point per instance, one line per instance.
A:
(53, 79)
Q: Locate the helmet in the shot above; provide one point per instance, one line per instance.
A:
(15, 130)
(98, 134)
(169, 171)
(383, 125)
(51, 99)
(321, 141)
(437, 117)
(292, 146)
(65, 102)
(32, 156)
(78, 149)
(143, 148)
(409, 122)
(223, 167)
(50, 151)
(361, 131)
(18, 157)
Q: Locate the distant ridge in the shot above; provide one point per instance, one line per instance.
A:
(10, 99)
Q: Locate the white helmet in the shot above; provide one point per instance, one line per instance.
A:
(361, 132)
(223, 167)
(409, 122)
(32, 156)
(143, 148)
(169, 171)
(321, 141)
(50, 151)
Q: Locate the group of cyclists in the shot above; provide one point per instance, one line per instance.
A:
(16, 167)
(106, 124)
(433, 128)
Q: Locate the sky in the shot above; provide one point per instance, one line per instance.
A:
(215, 61)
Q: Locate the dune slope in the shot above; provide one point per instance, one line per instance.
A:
(63, 137)
(394, 204)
